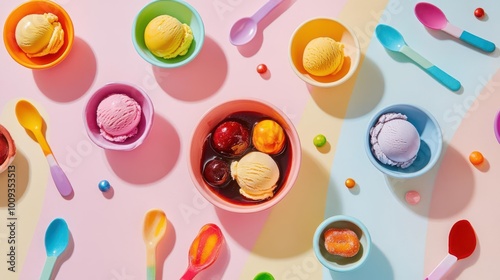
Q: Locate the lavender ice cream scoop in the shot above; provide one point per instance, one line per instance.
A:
(394, 140)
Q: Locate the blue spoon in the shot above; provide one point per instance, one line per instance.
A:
(56, 242)
(392, 40)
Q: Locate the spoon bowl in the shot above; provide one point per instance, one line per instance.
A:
(390, 38)
(245, 29)
(29, 118)
(56, 242)
(430, 16)
(204, 250)
(155, 225)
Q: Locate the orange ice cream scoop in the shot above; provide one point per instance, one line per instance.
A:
(341, 242)
(268, 137)
(39, 34)
(323, 56)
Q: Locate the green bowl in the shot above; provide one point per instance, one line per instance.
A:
(179, 9)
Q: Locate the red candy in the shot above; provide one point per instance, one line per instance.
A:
(479, 12)
(231, 138)
(261, 68)
(341, 242)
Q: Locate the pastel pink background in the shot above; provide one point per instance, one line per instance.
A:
(106, 241)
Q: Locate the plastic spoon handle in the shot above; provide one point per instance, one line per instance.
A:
(442, 267)
(48, 267)
(266, 9)
(189, 274)
(60, 179)
(477, 42)
(438, 74)
(151, 261)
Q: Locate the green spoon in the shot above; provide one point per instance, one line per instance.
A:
(155, 225)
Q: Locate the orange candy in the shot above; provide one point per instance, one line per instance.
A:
(268, 137)
(341, 242)
(350, 183)
(476, 158)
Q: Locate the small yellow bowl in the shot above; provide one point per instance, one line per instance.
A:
(37, 7)
(324, 27)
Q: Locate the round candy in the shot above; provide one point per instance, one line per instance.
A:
(268, 137)
(104, 186)
(412, 197)
(319, 140)
(479, 12)
(231, 138)
(476, 158)
(261, 68)
(216, 172)
(350, 183)
(264, 276)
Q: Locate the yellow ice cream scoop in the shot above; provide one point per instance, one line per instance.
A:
(257, 174)
(323, 56)
(39, 34)
(166, 37)
(268, 137)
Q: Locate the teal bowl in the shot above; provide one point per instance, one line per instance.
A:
(337, 263)
(431, 141)
(179, 9)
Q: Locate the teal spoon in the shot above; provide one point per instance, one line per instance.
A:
(56, 242)
(392, 40)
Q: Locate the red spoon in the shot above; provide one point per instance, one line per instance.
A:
(204, 250)
(461, 244)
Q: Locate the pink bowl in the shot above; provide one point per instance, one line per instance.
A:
(208, 122)
(497, 126)
(90, 116)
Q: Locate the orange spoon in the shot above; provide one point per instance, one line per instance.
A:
(155, 225)
(204, 250)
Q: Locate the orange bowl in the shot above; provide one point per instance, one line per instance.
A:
(324, 27)
(37, 7)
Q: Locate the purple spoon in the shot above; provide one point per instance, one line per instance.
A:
(497, 126)
(244, 30)
(433, 18)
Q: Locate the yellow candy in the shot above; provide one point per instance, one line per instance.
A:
(268, 137)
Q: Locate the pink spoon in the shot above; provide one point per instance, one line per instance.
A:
(433, 18)
(461, 244)
(244, 30)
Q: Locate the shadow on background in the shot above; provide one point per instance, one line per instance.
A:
(191, 82)
(21, 178)
(367, 87)
(164, 248)
(160, 150)
(454, 186)
(70, 79)
(376, 266)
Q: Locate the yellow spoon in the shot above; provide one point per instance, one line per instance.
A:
(29, 117)
(155, 225)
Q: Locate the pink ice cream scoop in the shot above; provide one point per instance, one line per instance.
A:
(394, 140)
(118, 116)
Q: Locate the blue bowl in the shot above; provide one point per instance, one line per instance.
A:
(337, 263)
(179, 9)
(431, 141)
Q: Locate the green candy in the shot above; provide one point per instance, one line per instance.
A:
(319, 140)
